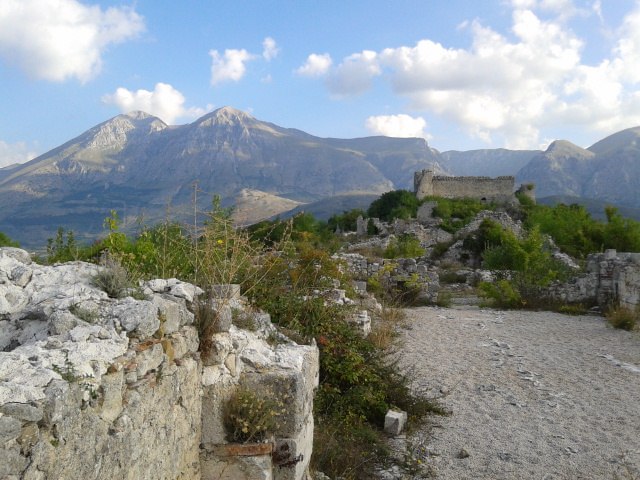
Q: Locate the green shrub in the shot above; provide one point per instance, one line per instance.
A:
(5, 241)
(457, 212)
(444, 300)
(347, 221)
(439, 249)
(501, 294)
(406, 246)
(358, 384)
(531, 267)
(395, 204)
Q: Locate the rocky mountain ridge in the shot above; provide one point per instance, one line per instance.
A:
(140, 166)
(143, 168)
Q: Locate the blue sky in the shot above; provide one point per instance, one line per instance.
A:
(460, 73)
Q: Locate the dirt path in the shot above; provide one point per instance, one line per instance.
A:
(533, 395)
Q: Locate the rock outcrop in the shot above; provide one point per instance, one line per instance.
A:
(97, 387)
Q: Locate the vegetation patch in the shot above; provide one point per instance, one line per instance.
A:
(623, 318)
(252, 416)
(405, 246)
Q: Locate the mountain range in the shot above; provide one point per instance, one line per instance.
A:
(145, 169)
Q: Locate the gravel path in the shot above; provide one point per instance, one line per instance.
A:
(533, 395)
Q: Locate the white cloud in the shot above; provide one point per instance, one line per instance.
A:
(507, 89)
(11, 153)
(354, 75)
(270, 49)
(62, 39)
(230, 67)
(316, 65)
(397, 126)
(164, 102)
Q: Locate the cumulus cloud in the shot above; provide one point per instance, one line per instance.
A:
(62, 39)
(509, 88)
(230, 66)
(164, 102)
(354, 75)
(270, 49)
(11, 153)
(401, 125)
(316, 65)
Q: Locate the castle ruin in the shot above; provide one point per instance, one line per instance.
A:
(500, 189)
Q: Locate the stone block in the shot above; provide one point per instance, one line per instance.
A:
(217, 349)
(111, 387)
(360, 286)
(10, 429)
(139, 317)
(11, 462)
(22, 411)
(291, 456)
(214, 466)
(21, 275)
(362, 322)
(394, 422)
(149, 359)
(184, 342)
(169, 314)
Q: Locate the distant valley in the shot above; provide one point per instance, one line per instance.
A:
(147, 170)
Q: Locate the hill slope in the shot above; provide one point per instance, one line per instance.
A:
(137, 164)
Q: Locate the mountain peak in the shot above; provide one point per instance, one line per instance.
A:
(628, 139)
(137, 115)
(226, 116)
(565, 148)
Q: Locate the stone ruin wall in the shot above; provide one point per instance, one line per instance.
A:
(499, 189)
(610, 277)
(128, 394)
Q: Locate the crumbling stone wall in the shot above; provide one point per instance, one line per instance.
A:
(482, 188)
(609, 277)
(103, 388)
(393, 273)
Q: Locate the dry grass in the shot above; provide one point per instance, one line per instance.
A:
(384, 332)
(623, 318)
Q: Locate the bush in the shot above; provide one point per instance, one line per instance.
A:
(394, 204)
(251, 416)
(501, 293)
(623, 318)
(113, 279)
(457, 212)
(5, 241)
(406, 246)
(358, 384)
(531, 267)
(347, 221)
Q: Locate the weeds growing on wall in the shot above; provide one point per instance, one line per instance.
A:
(251, 416)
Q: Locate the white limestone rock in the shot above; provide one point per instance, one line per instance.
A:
(394, 422)
(139, 317)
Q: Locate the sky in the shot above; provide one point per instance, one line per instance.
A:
(462, 74)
